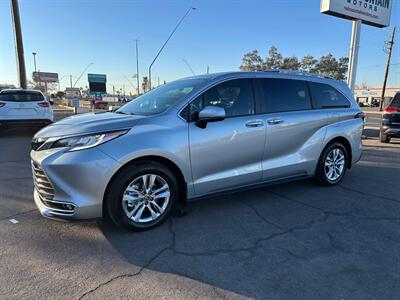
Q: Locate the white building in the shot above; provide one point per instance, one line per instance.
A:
(367, 95)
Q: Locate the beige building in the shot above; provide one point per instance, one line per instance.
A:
(367, 95)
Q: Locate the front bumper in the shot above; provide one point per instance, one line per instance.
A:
(78, 181)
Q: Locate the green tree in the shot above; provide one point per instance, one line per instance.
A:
(343, 66)
(252, 61)
(330, 66)
(307, 63)
(274, 59)
(290, 63)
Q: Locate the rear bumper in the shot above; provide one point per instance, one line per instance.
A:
(30, 123)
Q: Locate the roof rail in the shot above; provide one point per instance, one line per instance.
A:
(293, 72)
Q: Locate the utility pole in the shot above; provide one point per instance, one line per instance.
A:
(19, 46)
(137, 67)
(389, 52)
(70, 80)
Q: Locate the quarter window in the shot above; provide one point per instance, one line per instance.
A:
(325, 96)
(235, 96)
(280, 95)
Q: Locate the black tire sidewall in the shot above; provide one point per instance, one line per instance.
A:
(320, 173)
(125, 177)
(384, 138)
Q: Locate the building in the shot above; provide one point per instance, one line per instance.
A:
(365, 96)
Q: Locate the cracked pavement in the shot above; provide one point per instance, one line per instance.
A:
(290, 241)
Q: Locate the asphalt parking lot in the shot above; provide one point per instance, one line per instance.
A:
(291, 241)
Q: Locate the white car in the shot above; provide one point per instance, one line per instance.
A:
(24, 108)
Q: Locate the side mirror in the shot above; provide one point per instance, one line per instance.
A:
(210, 114)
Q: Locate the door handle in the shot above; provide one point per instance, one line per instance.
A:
(254, 123)
(275, 121)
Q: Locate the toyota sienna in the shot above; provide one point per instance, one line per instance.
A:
(195, 137)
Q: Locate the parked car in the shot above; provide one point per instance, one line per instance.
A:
(374, 103)
(390, 126)
(24, 108)
(196, 137)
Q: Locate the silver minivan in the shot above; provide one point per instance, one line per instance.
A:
(195, 137)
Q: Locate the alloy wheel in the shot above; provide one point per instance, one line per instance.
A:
(146, 198)
(335, 164)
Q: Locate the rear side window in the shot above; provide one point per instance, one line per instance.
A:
(21, 96)
(280, 95)
(325, 96)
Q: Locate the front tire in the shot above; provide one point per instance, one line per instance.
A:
(142, 196)
(332, 165)
(384, 138)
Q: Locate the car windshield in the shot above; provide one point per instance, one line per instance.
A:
(21, 96)
(160, 99)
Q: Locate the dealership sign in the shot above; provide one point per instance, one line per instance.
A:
(372, 12)
(45, 77)
(97, 83)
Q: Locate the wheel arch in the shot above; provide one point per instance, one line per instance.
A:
(345, 142)
(152, 158)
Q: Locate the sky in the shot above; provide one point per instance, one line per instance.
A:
(67, 35)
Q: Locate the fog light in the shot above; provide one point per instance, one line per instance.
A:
(68, 206)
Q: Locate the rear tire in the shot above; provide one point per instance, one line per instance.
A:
(142, 196)
(384, 138)
(332, 165)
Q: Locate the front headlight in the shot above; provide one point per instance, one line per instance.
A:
(80, 142)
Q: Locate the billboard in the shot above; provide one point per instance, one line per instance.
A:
(372, 12)
(72, 92)
(45, 77)
(97, 83)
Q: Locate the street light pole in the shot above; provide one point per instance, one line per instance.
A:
(87, 67)
(187, 64)
(137, 66)
(19, 46)
(169, 37)
(34, 60)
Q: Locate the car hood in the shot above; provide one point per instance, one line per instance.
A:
(87, 123)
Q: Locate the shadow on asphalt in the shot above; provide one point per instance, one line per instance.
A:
(371, 133)
(273, 241)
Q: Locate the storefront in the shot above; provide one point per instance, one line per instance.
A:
(372, 96)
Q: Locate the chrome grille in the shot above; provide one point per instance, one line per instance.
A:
(46, 192)
(42, 183)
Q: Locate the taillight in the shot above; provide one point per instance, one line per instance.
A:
(2, 104)
(392, 109)
(43, 104)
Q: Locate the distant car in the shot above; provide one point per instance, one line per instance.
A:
(24, 108)
(100, 104)
(390, 126)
